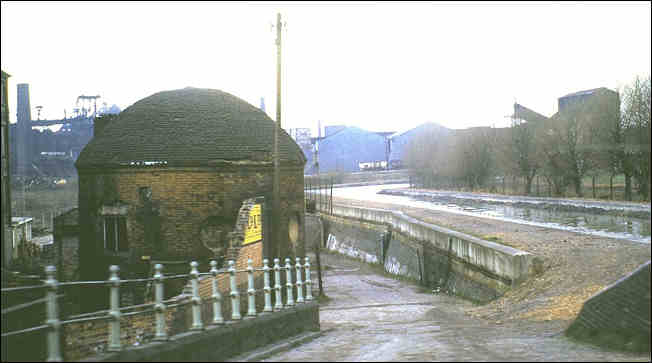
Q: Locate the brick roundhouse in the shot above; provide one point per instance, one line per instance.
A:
(164, 181)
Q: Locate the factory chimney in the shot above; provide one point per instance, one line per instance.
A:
(24, 126)
(23, 107)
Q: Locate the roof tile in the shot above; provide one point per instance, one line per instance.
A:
(190, 126)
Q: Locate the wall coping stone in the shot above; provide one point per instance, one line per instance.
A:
(516, 262)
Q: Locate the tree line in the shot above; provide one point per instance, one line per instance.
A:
(599, 133)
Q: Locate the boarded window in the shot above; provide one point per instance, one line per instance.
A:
(115, 234)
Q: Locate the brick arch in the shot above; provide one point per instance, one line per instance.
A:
(213, 235)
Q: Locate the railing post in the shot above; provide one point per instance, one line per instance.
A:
(235, 295)
(217, 297)
(52, 318)
(277, 285)
(267, 288)
(114, 325)
(308, 281)
(159, 307)
(298, 266)
(288, 269)
(251, 302)
(196, 300)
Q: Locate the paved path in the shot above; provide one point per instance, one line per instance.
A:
(377, 318)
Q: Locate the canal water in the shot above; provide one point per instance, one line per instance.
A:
(621, 220)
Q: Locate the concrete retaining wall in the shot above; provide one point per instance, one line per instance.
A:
(436, 256)
(404, 258)
(313, 232)
(355, 239)
(618, 316)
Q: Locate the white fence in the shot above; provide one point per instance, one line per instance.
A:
(115, 313)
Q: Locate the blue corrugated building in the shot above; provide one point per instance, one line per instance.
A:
(346, 149)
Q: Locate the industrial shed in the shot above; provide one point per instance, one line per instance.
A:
(346, 149)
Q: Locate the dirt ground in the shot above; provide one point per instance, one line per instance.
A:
(370, 316)
(575, 266)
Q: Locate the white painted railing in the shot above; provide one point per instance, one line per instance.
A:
(115, 314)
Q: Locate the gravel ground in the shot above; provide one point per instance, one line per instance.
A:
(372, 317)
(575, 266)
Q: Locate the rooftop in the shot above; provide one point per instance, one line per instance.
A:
(189, 126)
(586, 92)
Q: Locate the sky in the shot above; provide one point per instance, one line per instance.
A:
(386, 66)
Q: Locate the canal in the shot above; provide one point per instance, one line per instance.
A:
(621, 220)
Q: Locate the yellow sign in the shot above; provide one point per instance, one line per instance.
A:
(254, 231)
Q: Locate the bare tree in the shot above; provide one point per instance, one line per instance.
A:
(476, 154)
(606, 137)
(523, 149)
(553, 164)
(429, 158)
(636, 126)
(573, 140)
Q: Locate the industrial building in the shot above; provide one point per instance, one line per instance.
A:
(577, 98)
(351, 149)
(522, 113)
(37, 150)
(570, 102)
(348, 150)
(400, 142)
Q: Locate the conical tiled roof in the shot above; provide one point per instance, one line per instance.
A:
(189, 126)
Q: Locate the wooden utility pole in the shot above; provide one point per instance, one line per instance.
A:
(279, 27)
(276, 187)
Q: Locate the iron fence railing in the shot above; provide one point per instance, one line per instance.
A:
(116, 313)
(318, 193)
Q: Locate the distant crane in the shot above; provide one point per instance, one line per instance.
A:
(85, 100)
(38, 110)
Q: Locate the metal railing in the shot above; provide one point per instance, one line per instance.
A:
(318, 192)
(115, 313)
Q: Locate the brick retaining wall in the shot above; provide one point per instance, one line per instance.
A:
(217, 343)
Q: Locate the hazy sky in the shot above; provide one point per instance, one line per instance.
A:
(379, 66)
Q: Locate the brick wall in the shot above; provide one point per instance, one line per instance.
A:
(66, 260)
(85, 339)
(253, 251)
(220, 343)
(183, 199)
(618, 316)
(69, 258)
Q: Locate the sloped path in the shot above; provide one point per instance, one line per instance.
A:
(377, 318)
